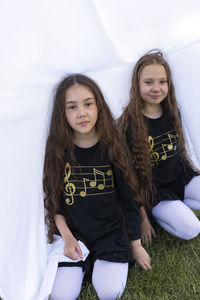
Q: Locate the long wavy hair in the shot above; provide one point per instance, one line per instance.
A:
(60, 139)
(133, 126)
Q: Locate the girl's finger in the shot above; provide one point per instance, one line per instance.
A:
(153, 232)
(71, 254)
(149, 238)
(143, 238)
(148, 259)
(147, 265)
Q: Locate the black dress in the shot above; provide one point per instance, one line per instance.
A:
(95, 194)
(170, 174)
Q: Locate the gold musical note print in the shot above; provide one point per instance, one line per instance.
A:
(69, 188)
(110, 173)
(87, 181)
(84, 192)
(172, 144)
(100, 186)
(162, 147)
(164, 156)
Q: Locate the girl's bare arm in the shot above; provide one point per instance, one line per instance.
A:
(72, 248)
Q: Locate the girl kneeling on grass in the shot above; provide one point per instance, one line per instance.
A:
(88, 184)
(151, 123)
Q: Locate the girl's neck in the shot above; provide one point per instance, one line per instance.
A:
(152, 111)
(85, 140)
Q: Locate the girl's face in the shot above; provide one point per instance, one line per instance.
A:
(153, 86)
(81, 110)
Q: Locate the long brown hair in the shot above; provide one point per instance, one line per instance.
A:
(60, 139)
(133, 126)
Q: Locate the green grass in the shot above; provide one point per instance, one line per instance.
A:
(175, 273)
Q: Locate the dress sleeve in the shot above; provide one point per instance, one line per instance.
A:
(129, 205)
(61, 210)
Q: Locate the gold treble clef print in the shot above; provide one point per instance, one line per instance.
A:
(154, 154)
(69, 187)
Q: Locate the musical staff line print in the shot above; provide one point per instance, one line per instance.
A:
(162, 147)
(86, 181)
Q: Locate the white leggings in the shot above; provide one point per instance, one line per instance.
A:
(176, 216)
(108, 279)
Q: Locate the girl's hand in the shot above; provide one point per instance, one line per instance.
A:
(147, 231)
(72, 248)
(140, 255)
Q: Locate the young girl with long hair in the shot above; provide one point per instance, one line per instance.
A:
(151, 125)
(90, 192)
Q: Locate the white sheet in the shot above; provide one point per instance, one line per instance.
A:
(56, 255)
(43, 40)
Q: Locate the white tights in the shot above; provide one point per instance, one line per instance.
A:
(176, 216)
(108, 279)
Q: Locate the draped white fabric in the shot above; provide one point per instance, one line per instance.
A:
(42, 41)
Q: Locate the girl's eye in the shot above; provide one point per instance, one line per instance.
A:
(163, 81)
(88, 104)
(72, 107)
(148, 82)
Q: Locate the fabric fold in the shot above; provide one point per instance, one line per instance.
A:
(56, 255)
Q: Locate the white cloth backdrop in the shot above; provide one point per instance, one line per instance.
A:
(42, 41)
